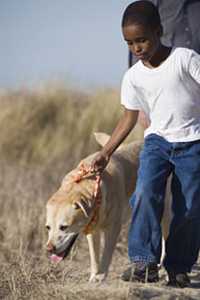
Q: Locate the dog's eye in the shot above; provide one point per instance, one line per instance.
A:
(63, 227)
(47, 227)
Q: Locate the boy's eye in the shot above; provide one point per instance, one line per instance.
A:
(138, 41)
(130, 43)
(142, 40)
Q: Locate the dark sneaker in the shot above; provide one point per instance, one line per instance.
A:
(179, 280)
(141, 272)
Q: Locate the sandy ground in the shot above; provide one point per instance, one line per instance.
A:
(25, 270)
(33, 277)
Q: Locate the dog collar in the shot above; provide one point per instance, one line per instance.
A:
(97, 196)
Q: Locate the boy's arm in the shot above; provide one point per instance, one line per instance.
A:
(121, 131)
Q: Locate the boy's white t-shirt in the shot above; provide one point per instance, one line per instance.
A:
(169, 94)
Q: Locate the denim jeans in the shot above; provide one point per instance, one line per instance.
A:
(158, 159)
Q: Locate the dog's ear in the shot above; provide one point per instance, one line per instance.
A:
(84, 206)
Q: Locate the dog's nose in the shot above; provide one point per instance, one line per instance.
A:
(50, 247)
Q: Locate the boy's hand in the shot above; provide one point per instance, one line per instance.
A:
(124, 126)
(99, 162)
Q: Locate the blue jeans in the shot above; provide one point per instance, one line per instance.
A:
(158, 160)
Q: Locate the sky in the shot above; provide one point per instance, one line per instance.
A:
(78, 42)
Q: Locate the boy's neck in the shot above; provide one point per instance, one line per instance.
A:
(160, 56)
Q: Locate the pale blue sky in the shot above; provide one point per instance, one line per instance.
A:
(77, 41)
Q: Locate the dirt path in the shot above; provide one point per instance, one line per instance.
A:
(35, 278)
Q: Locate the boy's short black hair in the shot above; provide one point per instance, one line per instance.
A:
(141, 12)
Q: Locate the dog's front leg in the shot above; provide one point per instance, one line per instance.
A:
(110, 240)
(94, 249)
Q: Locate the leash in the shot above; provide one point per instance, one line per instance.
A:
(97, 197)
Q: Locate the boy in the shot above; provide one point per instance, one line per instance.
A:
(180, 20)
(165, 83)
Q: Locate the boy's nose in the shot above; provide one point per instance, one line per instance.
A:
(136, 49)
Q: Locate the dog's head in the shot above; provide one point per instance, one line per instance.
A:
(69, 210)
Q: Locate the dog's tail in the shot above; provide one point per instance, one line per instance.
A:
(101, 138)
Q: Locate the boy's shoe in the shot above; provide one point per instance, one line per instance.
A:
(179, 280)
(141, 272)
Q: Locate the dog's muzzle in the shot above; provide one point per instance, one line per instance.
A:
(56, 257)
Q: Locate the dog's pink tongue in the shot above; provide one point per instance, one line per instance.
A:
(56, 258)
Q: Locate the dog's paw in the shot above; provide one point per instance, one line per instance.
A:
(97, 278)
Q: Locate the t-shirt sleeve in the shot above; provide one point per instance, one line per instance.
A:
(194, 66)
(129, 98)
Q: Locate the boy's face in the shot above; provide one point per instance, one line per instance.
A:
(142, 42)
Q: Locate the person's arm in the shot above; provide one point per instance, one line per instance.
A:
(121, 131)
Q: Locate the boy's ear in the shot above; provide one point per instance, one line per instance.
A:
(160, 31)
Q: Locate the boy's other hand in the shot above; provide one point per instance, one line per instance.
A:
(99, 162)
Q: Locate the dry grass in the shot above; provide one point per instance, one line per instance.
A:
(43, 127)
(43, 135)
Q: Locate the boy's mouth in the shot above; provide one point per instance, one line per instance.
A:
(141, 56)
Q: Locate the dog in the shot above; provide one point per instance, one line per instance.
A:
(85, 205)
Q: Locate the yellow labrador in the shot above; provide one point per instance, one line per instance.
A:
(73, 209)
